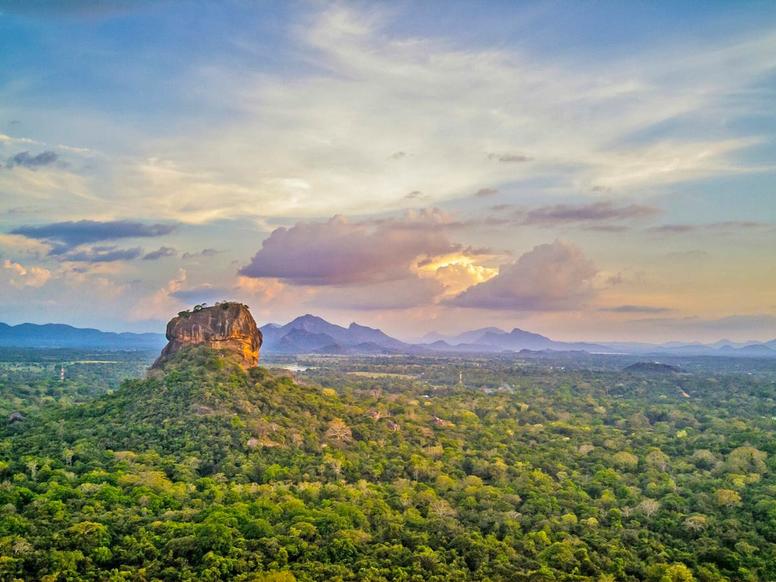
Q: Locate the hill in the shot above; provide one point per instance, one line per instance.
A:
(652, 368)
(57, 335)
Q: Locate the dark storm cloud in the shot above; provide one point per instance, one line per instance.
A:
(32, 162)
(66, 235)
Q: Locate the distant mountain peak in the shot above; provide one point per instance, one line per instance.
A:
(518, 331)
(308, 318)
(312, 334)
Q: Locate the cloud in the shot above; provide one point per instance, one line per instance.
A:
(691, 255)
(22, 276)
(272, 293)
(305, 141)
(635, 309)
(607, 227)
(550, 277)
(17, 244)
(416, 219)
(483, 192)
(403, 294)
(203, 253)
(724, 227)
(457, 273)
(340, 252)
(203, 294)
(587, 213)
(160, 304)
(305, 144)
(66, 235)
(101, 254)
(391, 263)
(27, 160)
(160, 253)
(510, 158)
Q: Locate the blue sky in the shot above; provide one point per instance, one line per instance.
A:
(587, 170)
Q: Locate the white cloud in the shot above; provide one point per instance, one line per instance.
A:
(161, 304)
(18, 244)
(22, 276)
(325, 140)
(550, 277)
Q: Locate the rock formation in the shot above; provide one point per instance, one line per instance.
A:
(225, 326)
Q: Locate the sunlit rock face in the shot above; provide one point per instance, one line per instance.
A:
(226, 326)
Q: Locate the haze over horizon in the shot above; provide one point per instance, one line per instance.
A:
(416, 168)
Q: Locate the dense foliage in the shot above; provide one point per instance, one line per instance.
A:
(32, 378)
(396, 472)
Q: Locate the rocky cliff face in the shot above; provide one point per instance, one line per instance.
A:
(226, 326)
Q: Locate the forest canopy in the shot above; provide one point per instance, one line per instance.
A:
(380, 471)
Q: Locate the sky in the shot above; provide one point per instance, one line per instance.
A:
(586, 170)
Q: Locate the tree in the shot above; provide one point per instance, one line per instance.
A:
(746, 460)
(284, 576)
(32, 467)
(657, 459)
(625, 460)
(696, 523)
(649, 507)
(677, 573)
(339, 431)
(727, 498)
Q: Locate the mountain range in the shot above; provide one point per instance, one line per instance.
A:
(312, 334)
(58, 335)
(493, 339)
